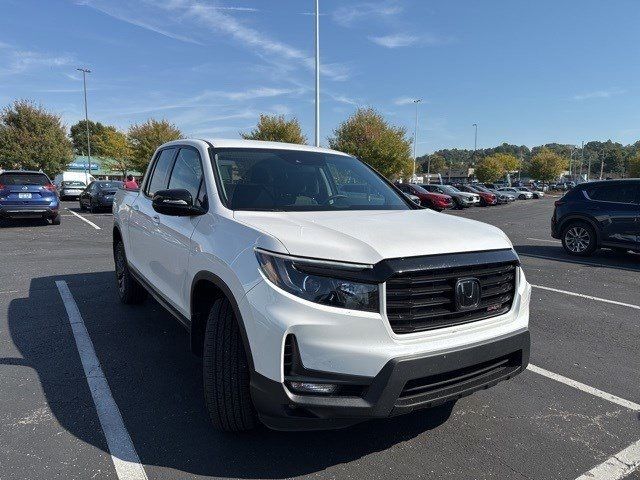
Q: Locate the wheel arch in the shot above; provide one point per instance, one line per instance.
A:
(206, 288)
(580, 218)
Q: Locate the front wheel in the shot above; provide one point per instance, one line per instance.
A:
(579, 238)
(129, 290)
(225, 372)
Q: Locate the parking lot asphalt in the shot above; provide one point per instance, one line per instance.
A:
(534, 426)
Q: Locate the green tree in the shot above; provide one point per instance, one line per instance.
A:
(490, 168)
(508, 161)
(33, 138)
(368, 136)
(115, 147)
(79, 137)
(634, 166)
(146, 137)
(547, 165)
(276, 128)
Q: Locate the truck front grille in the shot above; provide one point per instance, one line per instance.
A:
(425, 299)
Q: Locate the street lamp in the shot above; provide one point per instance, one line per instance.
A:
(317, 73)
(86, 114)
(475, 143)
(415, 143)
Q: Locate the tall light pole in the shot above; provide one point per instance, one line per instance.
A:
(475, 143)
(317, 73)
(86, 114)
(415, 143)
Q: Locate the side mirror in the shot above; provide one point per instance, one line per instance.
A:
(175, 202)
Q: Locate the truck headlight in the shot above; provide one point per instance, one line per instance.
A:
(305, 279)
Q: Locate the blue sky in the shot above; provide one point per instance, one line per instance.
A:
(528, 72)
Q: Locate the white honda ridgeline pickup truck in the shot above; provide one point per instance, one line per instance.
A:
(316, 293)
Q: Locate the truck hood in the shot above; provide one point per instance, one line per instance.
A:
(371, 236)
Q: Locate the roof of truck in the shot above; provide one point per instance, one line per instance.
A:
(240, 143)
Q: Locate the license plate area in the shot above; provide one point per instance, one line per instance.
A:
(24, 195)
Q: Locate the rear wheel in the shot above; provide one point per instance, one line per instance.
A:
(225, 372)
(82, 207)
(92, 207)
(56, 220)
(129, 290)
(579, 238)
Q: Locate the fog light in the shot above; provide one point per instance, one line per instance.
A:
(308, 387)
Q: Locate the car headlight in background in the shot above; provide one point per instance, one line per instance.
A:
(304, 278)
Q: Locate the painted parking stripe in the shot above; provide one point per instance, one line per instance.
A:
(550, 240)
(619, 466)
(85, 220)
(589, 297)
(583, 263)
(585, 388)
(123, 453)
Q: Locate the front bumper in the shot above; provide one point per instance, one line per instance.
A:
(403, 385)
(104, 201)
(28, 211)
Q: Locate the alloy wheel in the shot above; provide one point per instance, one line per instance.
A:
(577, 239)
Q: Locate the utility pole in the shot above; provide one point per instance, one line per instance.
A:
(415, 144)
(601, 163)
(318, 73)
(86, 115)
(475, 143)
(520, 169)
(582, 158)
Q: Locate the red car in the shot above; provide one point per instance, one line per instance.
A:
(434, 201)
(485, 197)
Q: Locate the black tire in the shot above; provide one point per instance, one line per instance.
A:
(56, 220)
(82, 207)
(92, 207)
(579, 238)
(129, 290)
(522, 197)
(225, 372)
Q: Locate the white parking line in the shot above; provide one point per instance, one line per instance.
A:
(550, 240)
(619, 466)
(123, 453)
(589, 297)
(85, 220)
(585, 388)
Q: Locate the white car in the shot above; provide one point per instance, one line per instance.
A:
(311, 307)
(516, 192)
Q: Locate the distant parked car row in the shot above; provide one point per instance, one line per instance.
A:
(441, 197)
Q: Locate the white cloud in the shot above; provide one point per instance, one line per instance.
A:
(21, 61)
(395, 41)
(250, 94)
(404, 100)
(599, 94)
(349, 14)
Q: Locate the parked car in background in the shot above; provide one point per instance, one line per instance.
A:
(460, 199)
(535, 193)
(598, 214)
(27, 194)
(486, 198)
(99, 195)
(414, 198)
(519, 194)
(434, 201)
(495, 186)
(71, 189)
(500, 196)
(70, 176)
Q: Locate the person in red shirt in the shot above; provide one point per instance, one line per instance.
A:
(130, 183)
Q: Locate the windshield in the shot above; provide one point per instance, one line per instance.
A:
(23, 179)
(73, 183)
(293, 180)
(449, 189)
(481, 189)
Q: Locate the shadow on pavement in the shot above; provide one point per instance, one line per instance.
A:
(156, 382)
(22, 223)
(601, 257)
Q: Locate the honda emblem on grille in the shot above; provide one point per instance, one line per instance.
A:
(25, 188)
(467, 293)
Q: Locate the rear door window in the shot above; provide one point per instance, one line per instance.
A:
(614, 192)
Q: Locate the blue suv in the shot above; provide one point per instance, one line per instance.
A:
(26, 194)
(599, 214)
